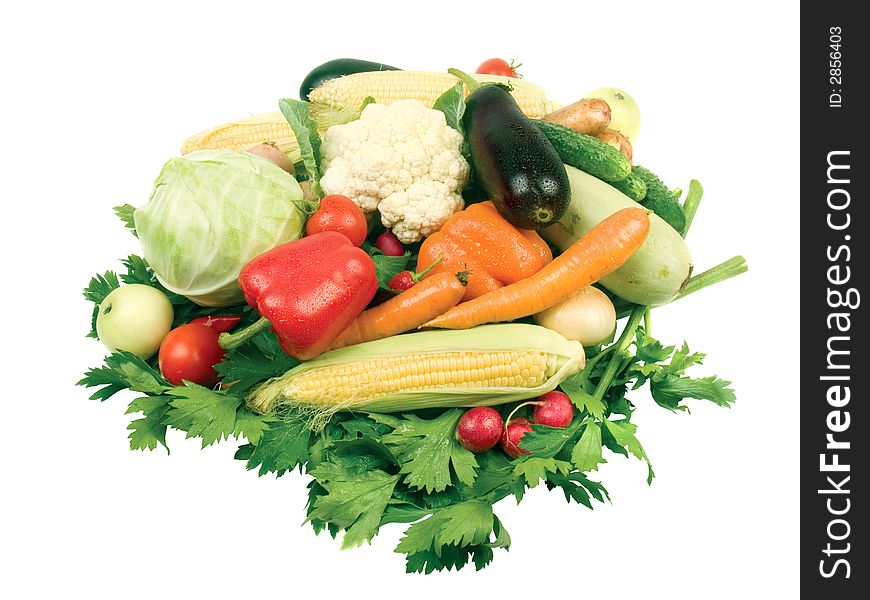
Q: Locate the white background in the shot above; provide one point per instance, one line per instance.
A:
(98, 97)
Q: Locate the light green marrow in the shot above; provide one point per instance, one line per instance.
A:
(655, 273)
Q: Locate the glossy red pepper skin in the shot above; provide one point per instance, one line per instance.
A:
(310, 290)
(220, 324)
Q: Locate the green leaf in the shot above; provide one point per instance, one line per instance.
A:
(123, 370)
(386, 267)
(428, 449)
(305, 129)
(451, 536)
(283, 446)
(354, 501)
(583, 400)
(125, 213)
(624, 434)
(535, 469)
(202, 412)
(138, 271)
(147, 432)
(254, 362)
(671, 390)
(470, 82)
(545, 441)
(579, 488)
(99, 287)
(586, 455)
(251, 425)
(452, 104)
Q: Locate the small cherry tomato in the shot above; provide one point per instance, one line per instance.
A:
(498, 66)
(189, 353)
(221, 324)
(389, 244)
(339, 213)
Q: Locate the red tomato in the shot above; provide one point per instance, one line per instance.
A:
(339, 213)
(189, 353)
(498, 66)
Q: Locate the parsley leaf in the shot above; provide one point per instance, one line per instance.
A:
(586, 455)
(123, 370)
(671, 390)
(283, 446)
(353, 501)
(99, 287)
(535, 469)
(260, 359)
(202, 412)
(125, 213)
(428, 449)
(577, 487)
(452, 535)
(147, 432)
(582, 399)
(623, 433)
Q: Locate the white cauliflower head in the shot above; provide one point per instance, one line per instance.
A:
(401, 159)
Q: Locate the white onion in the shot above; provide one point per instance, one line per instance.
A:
(588, 317)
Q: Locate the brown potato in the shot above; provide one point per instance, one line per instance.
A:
(617, 140)
(589, 116)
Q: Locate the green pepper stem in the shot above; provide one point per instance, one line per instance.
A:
(231, 341)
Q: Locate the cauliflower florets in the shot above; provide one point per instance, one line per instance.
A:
(401, 159)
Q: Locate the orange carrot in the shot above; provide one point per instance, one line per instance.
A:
(408, 310)
(602, 250)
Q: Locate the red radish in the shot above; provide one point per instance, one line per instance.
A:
(408, 279)
(554, 409)
(479, 429)
(389, 244)
(512, 434)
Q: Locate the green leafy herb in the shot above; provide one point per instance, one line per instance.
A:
(452, 104)
(123, 370)
(586, 455)
(386, 267)
(353, 502)
(125, 213)
(147, 432)
(428, 449)
(254, 362)
(624, 434)
(282, 447)
(305, 129)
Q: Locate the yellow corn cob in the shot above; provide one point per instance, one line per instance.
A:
(388, 86)
(245, 133)
(484, 366)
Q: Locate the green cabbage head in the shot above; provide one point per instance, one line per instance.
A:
(210, 213)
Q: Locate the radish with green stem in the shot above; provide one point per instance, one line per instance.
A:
(512, 435)
(553, 409)
(479, 429)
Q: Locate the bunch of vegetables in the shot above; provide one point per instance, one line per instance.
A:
(427, 291)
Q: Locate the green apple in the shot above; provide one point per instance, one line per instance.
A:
(134, 318)
(624, 113)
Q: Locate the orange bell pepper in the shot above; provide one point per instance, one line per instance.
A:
(481, 241)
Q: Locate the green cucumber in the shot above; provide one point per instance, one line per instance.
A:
(660, 199)
(655, 273)
(338, 68)
(586, 152)
(632, 186)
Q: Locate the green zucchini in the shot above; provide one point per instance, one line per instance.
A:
(660, 199)
(338, 68)
(632, 186)
(586, 152)
(660, 267)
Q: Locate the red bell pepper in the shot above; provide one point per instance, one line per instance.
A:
(220, 324)
(309, 291)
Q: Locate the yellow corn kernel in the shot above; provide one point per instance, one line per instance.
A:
(487, 365)
(386, 87)
(365, 380)
(242, 134)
